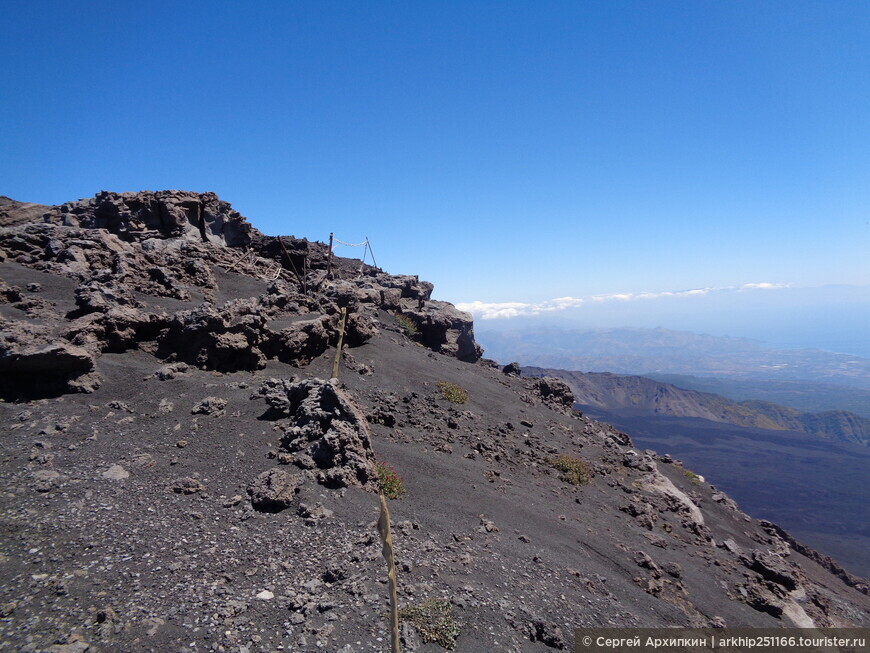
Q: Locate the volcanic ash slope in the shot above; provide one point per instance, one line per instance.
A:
(178, 470)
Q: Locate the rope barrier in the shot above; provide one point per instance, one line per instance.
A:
(341, 242)
(368, 248)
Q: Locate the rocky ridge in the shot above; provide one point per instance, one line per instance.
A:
(163, 245)
(179, 470)
(616, 391)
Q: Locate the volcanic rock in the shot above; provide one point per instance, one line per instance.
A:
(445, 329)
(161, 214)
(274, 490)
(555, 393)
(42, 369)
(326, 432)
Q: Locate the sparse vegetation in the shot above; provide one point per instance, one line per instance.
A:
(573, 470)
(434, 620)
(452, 392)
(392, 485)
(407, 325)
(692, 476)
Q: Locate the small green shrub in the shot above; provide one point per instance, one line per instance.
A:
(407, 325)
(692, 476)
(573, 470)
(434, 620)
(391, 483)
(452, 392)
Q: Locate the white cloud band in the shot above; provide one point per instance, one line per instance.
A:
(503, 310)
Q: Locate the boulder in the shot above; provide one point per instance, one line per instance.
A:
(44, 369)
(274, 490)
(116, 330)
(213, 340)
(94, 296)
(444, 328)
(209, 406)
(555, 393)
(186, 485)
(772, 568)
(303, 341)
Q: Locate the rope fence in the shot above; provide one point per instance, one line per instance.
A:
(366, 243)
(341, 242)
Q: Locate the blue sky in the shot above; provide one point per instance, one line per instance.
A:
(506, 151)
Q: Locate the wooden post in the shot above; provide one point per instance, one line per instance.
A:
(301, 280)
(371, 251)
(387, 550)
(340, 342)
(329, 258)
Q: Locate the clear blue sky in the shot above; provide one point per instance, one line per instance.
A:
(506, 151)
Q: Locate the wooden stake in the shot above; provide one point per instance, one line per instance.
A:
(340, 342)
(387, 550)
(301, 279)
(371, 251)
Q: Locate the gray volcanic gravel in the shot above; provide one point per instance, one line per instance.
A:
(201, 485)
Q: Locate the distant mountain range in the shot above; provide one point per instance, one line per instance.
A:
(805, 396)
(773, 460)
(641, 395)
(647, 352)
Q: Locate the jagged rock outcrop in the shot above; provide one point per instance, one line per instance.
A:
(860, 584)
(213, 339)
(771, 567)
(154, 266)
(554, 392)
(102, 296)
(31, 365)
(12, 212)
(161, 214)
(122, 247)
(116, 330)
(325, 431)
(445, 329)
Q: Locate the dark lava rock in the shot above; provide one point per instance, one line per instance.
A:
(303, 341)
(116, 330)
(445, 329)
(187, 485)
(274, 490)
(95, 296)
(209, 406)
(555, 393)
(547, 633)
(43, 370)
(325, 429)
(212, 339)
(772, 568)
(171, 371)
(162, 214)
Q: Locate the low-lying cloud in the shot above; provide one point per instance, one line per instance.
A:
(503, 310)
